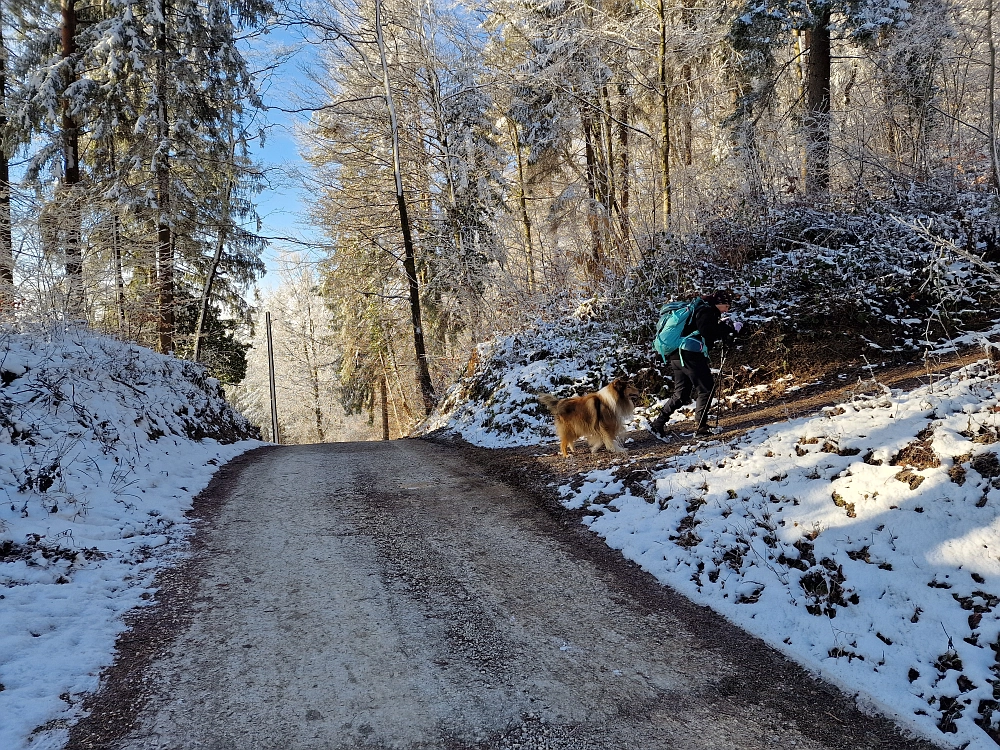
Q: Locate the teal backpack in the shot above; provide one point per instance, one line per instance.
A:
(669, 331)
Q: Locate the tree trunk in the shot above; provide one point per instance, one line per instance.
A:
(594, 261)
(164, 240)
(687, 122)
(992, 94)
(116, 259)
(70, 209)
(624, 163)
(385, 408)
(220, 244)
(687, 75)
(522, 202)
(397, 377)
(606, 160)
(312, 357)
(664, 116)
(801, 56)
(817, 120)
(206, 294)
(746, 141)
(424, 383)
(317, 404)
(6, 239)
(453, 213)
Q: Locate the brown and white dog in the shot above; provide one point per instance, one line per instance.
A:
(600, 417)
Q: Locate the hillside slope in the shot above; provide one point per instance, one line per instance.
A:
(862, 542)
(103, 444)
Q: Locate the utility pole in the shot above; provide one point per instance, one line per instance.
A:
(275, 437)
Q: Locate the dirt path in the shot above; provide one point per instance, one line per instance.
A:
(863, 380)
(545, 465)
(404, 595)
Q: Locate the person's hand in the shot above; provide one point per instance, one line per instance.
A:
(737, 325)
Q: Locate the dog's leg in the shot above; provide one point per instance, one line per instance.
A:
(561, 432)
(615, 446)
(610, 441)
(565, 446)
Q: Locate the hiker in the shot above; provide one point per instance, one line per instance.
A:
(702, 329)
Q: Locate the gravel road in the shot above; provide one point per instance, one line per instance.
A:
(395, 595)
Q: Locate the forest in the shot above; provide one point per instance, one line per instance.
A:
(478, 169)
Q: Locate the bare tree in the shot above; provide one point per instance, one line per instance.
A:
(6, 238)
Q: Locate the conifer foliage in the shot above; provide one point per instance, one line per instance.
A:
(132, 119)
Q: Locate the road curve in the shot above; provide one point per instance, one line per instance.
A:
(393, 595)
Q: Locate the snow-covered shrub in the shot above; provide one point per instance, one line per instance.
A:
(817, 289)
(881, 271)
(496, 402)
(63, 393)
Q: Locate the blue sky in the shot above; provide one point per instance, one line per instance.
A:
(283, 206)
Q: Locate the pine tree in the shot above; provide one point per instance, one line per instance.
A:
(407, 138)
(53, 96)
(140, 99)
(570, 95)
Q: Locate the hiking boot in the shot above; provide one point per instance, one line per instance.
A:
(705, 432)
(657, 427)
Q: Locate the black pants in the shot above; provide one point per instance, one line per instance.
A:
(694, 375)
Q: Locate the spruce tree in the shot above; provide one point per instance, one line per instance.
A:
(143, 104)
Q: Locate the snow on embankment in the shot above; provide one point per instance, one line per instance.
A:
(102, 447)
(495, 405)
(864, 543)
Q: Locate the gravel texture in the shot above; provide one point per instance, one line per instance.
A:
(416, 594)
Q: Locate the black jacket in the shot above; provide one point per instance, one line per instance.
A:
(707, 321)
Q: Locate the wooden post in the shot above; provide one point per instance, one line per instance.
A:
(275, 437)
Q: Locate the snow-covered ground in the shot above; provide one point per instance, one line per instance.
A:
(497, 405)
(864, 543)
(103, 445)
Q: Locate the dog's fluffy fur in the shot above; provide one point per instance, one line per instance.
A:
(600, 417)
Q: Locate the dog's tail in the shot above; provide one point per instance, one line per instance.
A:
(549, 401)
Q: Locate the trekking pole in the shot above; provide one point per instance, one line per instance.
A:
(703, 421)
(722, 389)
